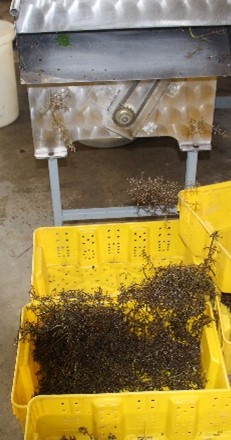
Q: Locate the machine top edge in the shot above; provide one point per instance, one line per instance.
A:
(37, 16)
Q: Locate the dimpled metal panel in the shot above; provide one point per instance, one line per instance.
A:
(73, 15)
(180, 109)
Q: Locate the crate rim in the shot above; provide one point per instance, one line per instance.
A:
(209, 187)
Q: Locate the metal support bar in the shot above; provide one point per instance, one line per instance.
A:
(191, 168)
(55, 190)
(112, 213)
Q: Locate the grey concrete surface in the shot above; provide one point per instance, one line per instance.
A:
(90, 178)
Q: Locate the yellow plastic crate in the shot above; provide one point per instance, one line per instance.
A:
(224, 327)
(177, 415)
(89, 256)
(204, 210)
(25, 378)
(106, 255)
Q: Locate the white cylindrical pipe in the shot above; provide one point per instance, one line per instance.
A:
(8, 87)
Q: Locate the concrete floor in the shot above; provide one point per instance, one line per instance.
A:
(90, 178)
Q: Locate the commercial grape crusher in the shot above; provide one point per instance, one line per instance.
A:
(104, 72)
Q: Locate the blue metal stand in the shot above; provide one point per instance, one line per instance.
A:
(65, 215)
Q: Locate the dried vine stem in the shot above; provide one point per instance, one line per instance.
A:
(70, 437)
(204, 36)
(57, 106)
(209, 261)
(201, 38)
(200, 126)
(84, 431)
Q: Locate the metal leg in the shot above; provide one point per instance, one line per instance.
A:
(55, 190)
(191, 168)
(223, 102)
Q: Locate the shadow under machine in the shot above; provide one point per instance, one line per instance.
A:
(105, 72)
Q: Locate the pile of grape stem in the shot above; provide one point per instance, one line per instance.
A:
(146, 338)
(153, 194)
